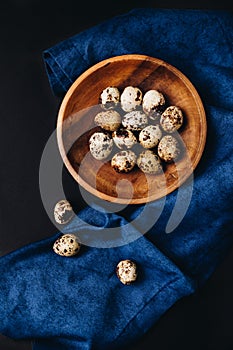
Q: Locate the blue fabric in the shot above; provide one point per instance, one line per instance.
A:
(78, 303)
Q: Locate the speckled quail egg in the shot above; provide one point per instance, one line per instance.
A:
(67, 245)
(108, 120)
(123, 161)
(126, 271)
(101, 145)
(150, 136)
(149, 162)
(135, 120)
(131, 98)
(63, 212)
(124, 138)
(168, 148)
(171, 119)
(153, 104)
(110, 97)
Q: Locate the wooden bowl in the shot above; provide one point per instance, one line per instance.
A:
(75, 124)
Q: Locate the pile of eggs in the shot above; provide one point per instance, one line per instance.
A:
(140, 127)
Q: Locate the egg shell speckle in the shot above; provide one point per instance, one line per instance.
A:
(135, 120)
(131, 98)
(150, 136)
(100, 145)
(63, 212)
(124, 138)
(123, 161)
(126, 271)
(110, 97)
(171, 119)
(168, 148)
(149, 162)
(108, 120)
(67, 245)
(153, 103)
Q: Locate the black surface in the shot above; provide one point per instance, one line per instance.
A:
(28, 111)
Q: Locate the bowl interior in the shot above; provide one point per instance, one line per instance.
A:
(75, 125)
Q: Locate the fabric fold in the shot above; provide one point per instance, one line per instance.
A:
(79, 303)
(162, 33)
(80, 299)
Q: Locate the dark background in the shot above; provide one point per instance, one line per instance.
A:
(28, 111)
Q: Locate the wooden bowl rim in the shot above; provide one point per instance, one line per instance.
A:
(69, 94)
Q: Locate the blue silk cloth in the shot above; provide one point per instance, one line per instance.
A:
(78, 302)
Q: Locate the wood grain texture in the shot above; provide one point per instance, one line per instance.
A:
(75, 124)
